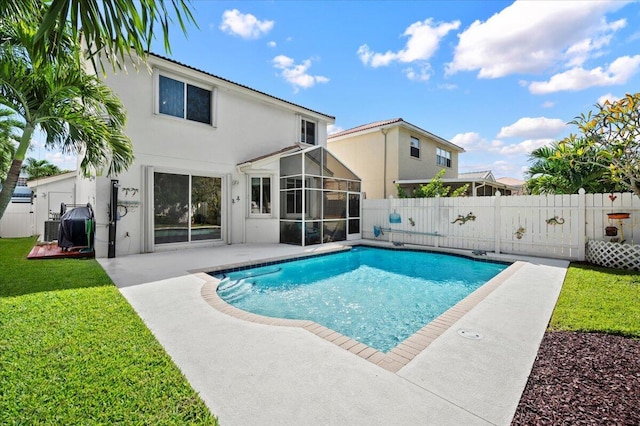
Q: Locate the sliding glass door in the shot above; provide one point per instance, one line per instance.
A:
(186, 208)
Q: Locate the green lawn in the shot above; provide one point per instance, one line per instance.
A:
(73, 351)
(597, 299)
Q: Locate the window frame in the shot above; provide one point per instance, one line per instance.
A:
(250, 200)
(185, 92)
(443, 157)
(413, 148)
(302, 136)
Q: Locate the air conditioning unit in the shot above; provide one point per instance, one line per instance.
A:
(51, 228)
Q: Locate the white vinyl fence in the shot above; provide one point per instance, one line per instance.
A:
(19, 220)
(557, 226)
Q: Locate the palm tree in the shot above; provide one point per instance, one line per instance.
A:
(112, 29)
(561, 169)
(7, 136)
(76, 111)
(39, 168)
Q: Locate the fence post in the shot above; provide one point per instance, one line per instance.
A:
(436, 220)
(582, 225)
(496, 223)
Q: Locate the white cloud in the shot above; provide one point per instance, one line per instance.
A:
(548, 104)
(65, 162)
(423, 40)
(332, 128)
(244, 25)
(447, 86)
(498, 167)
(271, 44)
(529, 127)
(524, 147)
(526, 37)
(618, 72)
(297, 75)
(608, 97)
(422, 74)
(473, 142)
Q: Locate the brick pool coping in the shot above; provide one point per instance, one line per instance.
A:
(393, 360)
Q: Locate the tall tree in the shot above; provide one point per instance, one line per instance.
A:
(77, 112)
(563, 168)
(39, 168)
(111, 29)
(615, 128)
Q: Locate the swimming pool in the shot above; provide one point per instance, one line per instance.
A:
(376, 296)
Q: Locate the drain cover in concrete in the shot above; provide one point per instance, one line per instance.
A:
(469, 334)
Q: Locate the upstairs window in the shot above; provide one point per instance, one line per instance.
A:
(308, 132)
(183, 100)
(415, 147)
(443, 157)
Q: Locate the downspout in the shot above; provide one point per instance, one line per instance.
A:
(384, 168)
(475, 188)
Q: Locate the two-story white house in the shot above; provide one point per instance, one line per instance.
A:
(217, 162)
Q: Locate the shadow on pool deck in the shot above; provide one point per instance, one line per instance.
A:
(250, 373)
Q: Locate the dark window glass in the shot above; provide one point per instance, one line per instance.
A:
(291, 232)
(308, 132)
(415, 147)
(354, 226)
(171, 208)
(443, 157)
(206, 216)
(198, 104)
(171, 97)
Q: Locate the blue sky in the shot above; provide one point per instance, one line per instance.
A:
(497, 78)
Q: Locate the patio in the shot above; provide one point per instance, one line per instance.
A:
(250, 373)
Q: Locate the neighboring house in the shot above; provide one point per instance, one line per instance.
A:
(217, 162)
(50, 192)
(516, 185)
(480, 184)
(393, 151)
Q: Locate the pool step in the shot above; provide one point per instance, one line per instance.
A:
(231, 291)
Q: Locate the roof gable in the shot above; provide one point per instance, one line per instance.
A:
(395, 122)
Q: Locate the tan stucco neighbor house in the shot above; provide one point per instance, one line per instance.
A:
(385, 152)
(480, 184)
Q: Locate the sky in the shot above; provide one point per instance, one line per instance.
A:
(498, 78)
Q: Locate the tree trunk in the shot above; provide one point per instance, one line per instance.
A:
(9, 185)
(14, 171)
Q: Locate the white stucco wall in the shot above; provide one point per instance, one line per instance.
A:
(50, 192)
(246, 125)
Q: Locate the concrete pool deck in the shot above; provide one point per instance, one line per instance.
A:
(250, 373)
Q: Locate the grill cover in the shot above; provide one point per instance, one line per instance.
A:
(73, 228)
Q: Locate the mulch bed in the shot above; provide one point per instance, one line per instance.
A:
(583, 379)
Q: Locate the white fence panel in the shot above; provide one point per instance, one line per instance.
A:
(548, 225)
(19, 220)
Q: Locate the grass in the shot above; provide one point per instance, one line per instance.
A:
(595, 299)
(73, 351)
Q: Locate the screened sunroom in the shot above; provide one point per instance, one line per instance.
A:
(319, 199)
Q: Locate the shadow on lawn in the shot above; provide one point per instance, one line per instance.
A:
(20, 276)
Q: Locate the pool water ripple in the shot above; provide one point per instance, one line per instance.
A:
(375, 296)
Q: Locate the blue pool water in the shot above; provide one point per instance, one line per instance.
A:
(376, 296)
